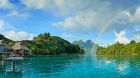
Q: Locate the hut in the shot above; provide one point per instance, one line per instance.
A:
(4, 49)
(20, 49)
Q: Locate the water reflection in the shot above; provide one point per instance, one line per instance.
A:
(2, 66)
(7, 72)
(74, 66)
(48, 65)
(125, 66)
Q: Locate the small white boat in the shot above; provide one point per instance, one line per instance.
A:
(109, 61)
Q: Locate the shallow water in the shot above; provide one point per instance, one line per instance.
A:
(73, 66)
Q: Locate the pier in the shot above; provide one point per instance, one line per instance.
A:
(3, 55)
(7, 56)
(11, 55)
(13, 60)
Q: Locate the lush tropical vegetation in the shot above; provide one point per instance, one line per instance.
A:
(8, 41)
(45, 44)
(132, 48)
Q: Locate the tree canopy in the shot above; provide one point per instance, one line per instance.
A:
(45, 44)
(132, 48)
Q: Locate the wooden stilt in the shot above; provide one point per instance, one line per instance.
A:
(1, 58)
(13, 66)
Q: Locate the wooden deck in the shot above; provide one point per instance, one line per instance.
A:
(2, 55)
(14, 58)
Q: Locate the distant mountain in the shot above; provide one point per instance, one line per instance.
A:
(86, 45)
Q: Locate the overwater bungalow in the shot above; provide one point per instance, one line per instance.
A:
(4, 49)
(20, 49)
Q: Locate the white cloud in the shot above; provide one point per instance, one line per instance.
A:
(18, 14)
(121, 37)
(2, 24)
(81, 22)
(21, 35)
(36, 4)
(62, 7)
(69, 36)
(101, 20)
(6, 4)
(127, 18)
(88, 20)
(12, 33)
(136, 17)
(138, 38)
(88, 15)
(136, 33)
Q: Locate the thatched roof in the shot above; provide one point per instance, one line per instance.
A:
(19, 46)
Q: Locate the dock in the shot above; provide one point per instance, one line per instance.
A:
(12, 58)
(3, 55)
(12, 54)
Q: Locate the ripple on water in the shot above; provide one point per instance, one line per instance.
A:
(74, 66)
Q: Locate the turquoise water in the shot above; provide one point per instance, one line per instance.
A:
(73, 66)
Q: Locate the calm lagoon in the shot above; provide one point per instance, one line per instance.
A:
(74, 66)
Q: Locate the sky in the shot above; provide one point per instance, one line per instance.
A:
(102, 21)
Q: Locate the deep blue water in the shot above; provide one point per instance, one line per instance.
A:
(73, 66)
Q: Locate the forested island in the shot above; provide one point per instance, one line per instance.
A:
(133, 48)
(45, 44)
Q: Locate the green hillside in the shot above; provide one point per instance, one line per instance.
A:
(45, 44)
(132, 48)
